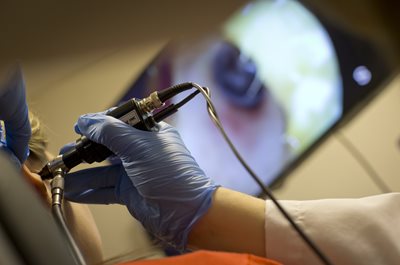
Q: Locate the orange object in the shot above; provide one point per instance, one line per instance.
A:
(203, 257)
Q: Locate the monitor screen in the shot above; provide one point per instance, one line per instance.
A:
(280, 78)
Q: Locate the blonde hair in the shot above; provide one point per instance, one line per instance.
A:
(38, 141)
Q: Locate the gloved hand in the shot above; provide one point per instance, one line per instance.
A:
(159, 181)
(14, 113)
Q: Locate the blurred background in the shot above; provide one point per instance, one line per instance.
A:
(83, 56)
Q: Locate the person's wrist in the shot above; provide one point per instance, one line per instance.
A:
(200, 213)
(235, 222)
(175, 233)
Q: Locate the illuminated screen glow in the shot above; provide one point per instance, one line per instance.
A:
(275, 82)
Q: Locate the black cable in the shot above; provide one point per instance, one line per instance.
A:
(57, 194)
(172, 108)
(59, 217)
(371, 172)
(211, 110)
(168, 93)
(186, 99)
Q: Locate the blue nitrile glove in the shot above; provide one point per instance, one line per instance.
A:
(14, 113)
(159, 181)
(4, 148)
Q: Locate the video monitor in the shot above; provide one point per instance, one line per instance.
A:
(281, 78)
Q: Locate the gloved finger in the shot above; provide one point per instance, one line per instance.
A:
(126, 141)
(67, 148)
(93, 178)
(14, 113)
(114, 160)
(94, 196)
(163, 126)
(132, 198)
(103, 129)
(76, 127)
(122, 193)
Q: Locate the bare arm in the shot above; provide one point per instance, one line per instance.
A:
(235, 222)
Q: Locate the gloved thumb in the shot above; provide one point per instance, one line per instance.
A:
(66, 148)
(105, 130)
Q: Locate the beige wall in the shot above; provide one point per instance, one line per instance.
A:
(334, 171)
(80, 58)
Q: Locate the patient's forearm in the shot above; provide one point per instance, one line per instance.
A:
(235, 222)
